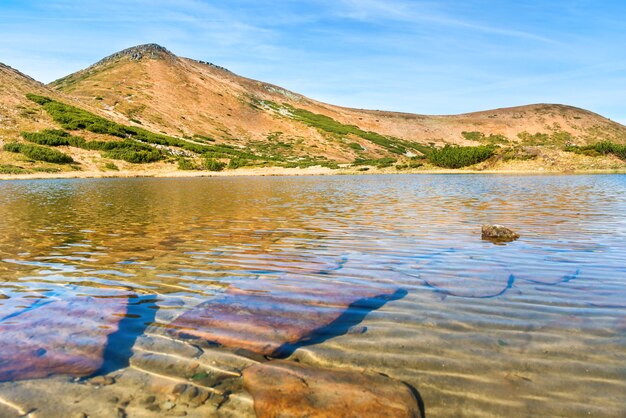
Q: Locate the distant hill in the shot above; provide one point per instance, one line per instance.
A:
(193, 110)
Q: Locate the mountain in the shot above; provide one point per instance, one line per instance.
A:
(169, 110)
(182, 96)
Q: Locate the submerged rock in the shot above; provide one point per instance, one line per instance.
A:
(67, 337)
(283, 388)
(498, 233)
(273, 317)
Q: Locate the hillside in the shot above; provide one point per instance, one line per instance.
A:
(196, 115)
(24, 124)
(16, 111)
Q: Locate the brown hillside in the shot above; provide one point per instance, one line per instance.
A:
(16, 112)
(165, 113)
(184, 97)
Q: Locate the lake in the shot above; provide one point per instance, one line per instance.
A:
(144, 296)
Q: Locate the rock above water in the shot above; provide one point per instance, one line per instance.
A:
(283, 388)
(498, 233)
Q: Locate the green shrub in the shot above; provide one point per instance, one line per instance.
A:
(600, 148)
(608, 147)
(457, 157)
(38, 99)
(12, 169)
(202, 138)
(416, 162)
(518, 153)
(46, 169)
(186, 164)
(126, 150)
(380, 162)
(111, 166)
(355, 146)
(482, 138)
(237, 163)
(534, 139)
(133, 156)
(39, 153)
(213, 165)
(51, 137)
(473, 136)
(561, 137)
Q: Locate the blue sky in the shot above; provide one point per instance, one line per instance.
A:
(432, 57)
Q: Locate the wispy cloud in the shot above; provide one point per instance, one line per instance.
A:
(424, 12)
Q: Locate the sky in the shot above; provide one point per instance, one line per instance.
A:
(428, 57)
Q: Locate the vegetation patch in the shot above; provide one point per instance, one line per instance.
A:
(380, 162)
(484, 139)
(186, 164)
(12, 169)
(600, 148)
(305, 162)
(39, 153)
(50, 137)
(73, 118)
(237, 163)
(213, 165)
(47, 169)
(133, 156)
(330, 125)
(139, 145)
(458, 157)
(519, 153)
(202, 138)
(126, 150)
(356, 146)
(538, 139)
(415, 162)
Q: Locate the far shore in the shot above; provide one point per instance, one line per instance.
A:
(281, 171)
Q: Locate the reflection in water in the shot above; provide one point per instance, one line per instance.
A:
(534, 327)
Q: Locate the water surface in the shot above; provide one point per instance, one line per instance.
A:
(536, 327)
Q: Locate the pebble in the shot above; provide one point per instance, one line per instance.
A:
(168, 405)
(102, 381)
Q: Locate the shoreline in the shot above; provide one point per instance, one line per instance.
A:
(280, 171)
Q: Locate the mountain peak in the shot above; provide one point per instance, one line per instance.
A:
(139, 52)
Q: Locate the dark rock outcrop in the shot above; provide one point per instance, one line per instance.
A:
(498, 233)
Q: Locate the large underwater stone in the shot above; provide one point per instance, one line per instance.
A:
(67, 337)
(282, 388)
(272, 317)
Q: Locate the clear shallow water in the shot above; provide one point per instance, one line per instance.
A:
(535, 327)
